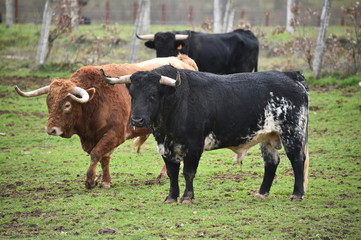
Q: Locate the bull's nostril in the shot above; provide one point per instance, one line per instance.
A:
(54, 131)
(137, 121)
(50, 131)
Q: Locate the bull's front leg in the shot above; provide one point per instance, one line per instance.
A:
(101, 152)
(91, 174)
(191, 162)
(173, 173)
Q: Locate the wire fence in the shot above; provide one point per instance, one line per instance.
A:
(181, 12)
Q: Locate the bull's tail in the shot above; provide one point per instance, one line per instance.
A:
(306, 163)
(305, 167)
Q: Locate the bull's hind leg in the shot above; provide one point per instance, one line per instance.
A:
(297, 158)
(106, 179)
(271, 161)
(297, 153)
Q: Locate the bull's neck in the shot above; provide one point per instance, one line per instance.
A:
(86, 127)
(172, 113)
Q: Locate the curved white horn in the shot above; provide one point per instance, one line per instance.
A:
(84, 96)
(145, 37)
(37, 92)
(170, 81)
(120, 80)
(181, 36)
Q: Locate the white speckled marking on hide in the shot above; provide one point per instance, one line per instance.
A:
(210, 142)
(270, 130)
(179, 153)
(301, 126)
(161, 149)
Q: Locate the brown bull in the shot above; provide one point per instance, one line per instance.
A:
(97, 112)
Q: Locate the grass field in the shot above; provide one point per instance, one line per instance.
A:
(42, 193)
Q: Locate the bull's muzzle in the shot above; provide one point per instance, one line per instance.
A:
(54, 131)
(137, 122)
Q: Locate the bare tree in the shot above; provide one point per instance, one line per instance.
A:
(228, 16)
(320, 45)
(9, 13)
(217, 16)
(290, 17)
(74, 14)
(137, 26)
(44, 35)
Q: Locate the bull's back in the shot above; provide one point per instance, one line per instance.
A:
(224, 53)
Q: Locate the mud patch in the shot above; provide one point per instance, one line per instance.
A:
(24, 114)
(24, 82)
(229, 176)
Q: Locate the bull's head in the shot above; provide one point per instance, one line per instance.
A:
(64, 105)
(145, 88)
(165, 43)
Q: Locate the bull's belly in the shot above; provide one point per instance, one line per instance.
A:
(241, 145)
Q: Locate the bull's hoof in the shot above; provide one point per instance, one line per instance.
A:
(261, 196)
(105, 185)
(296, 198)
(170, 200)
(186, 201)
(91, 184)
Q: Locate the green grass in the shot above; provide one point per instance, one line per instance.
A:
(43, 194)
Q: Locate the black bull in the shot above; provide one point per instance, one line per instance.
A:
(224, 53)
(208, 111)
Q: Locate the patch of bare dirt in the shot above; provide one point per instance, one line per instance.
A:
(324, 88)
(24, 82)
(347, 91)
(229, 176)
(24, 114)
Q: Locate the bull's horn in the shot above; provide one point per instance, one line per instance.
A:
(181, 36)
(84, 96)
(120, 80)
(170, 81)
(145, 37)
(37, 92)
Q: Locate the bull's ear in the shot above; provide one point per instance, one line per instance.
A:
(91, 92)
(179, 45)
(149, 44)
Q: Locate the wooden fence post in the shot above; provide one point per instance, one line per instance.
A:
(267, 18)
(190, 15)
(107, 12)
(164, 13)
(135, 10)
(16, 11)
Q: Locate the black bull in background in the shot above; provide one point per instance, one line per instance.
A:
(190, 112)
(223, 53)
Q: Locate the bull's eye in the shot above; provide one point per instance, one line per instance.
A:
(67, 107)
